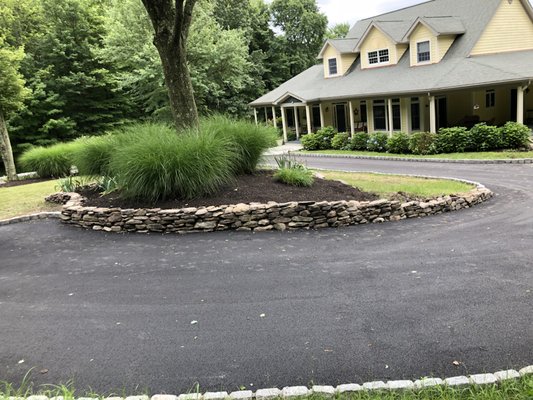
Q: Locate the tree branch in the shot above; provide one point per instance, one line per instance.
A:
(161, 14)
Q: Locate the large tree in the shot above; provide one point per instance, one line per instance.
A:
(171, 21)
(303, 27)
(12, 93)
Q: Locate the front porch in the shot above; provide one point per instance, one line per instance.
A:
(413, 113)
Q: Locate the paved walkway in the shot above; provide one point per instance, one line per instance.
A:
(389, 301)
(284, 149)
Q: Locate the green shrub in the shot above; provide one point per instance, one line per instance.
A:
(325, 136)
(452, 140)
(378, 142)
(340, 141)
(49, 162)
(398, 143)
(249, 140)
(295, 177)
(311, 141)
(515, 135)
(158, 164)
(484, 138)
(93, 155)
(422, 143)
(359, 141)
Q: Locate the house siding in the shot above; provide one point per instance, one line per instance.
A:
(377, 40)
(346, 62)
(511, 29)
(444, 44)
(439, 45)
(330, 52)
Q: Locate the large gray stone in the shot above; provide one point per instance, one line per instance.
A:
(266, 394)
(483, 379)
(294, 391)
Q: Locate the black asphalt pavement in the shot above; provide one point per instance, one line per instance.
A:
(389, 301)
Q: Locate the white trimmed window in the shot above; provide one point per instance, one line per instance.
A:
(332, 66)
(378, 57)
(423, 51)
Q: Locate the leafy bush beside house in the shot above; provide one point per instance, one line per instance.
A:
(321, 140)
(422, 143)
(515, 135)
(485, 138)
(452, 140)
(340, 141)
(377, 142)
(359, 141)
(398, 143)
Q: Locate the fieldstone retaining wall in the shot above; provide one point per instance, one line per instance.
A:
(258, 217)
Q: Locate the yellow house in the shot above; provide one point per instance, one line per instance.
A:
(437, 64)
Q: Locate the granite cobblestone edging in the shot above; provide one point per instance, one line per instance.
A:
(31, 217)
(414, 159)
(257, 217)
(293, 392)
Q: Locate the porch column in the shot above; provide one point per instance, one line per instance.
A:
(352, 122)
(308, 116)
(274, 117)
(322, 123)
(391, 119)
(255, 116)
(297, 123)
(266, 116)
(432, 115)
(284, 123)
(520, 105)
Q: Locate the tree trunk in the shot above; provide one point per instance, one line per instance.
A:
(178, 82)
(6, 150)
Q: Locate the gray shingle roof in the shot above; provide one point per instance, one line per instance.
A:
(445, 25)
(343, 46)
(456, 70)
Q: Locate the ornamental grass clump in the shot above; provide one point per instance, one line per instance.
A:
(293, 173)
(249, 140)
(50, 162)
(94, 154)
(158, 164)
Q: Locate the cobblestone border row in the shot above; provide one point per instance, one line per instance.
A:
(407, 159)
(259, 217)
(31, 217)
(292, 392)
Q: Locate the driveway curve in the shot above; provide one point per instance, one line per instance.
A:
(132, 313)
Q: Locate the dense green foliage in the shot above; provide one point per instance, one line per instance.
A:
(511, 136)
(291, 172)
(377, 142)
(515, 135)
(91, 66)
(249, 140)
(321, 140)
(340, 141)
(150, 162)
(398, 143)
(359, 141)
(54, 161)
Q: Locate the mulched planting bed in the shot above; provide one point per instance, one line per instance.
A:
(257, 188)
(23, 182)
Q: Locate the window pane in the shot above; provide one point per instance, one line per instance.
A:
(384, 56)
(380, 117)
(415, 116)
(396, 117)
(332, 66)
(373, 57)
(424, 53)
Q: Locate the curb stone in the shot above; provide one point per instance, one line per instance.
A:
(404, 159)
(31, 217)
(298, 391)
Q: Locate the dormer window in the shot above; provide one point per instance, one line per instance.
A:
(378, 57)
(423, 51)
(332, 65)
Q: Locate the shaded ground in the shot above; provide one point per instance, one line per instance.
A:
(259, 187)
(387, 301)
(24, 182)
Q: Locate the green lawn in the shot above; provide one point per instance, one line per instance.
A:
(386, 185)
(488, 155)
(26, 199)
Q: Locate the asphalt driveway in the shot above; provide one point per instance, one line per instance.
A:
(227, 310)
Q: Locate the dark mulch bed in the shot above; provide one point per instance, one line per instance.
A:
(24, 182)
(258, 188)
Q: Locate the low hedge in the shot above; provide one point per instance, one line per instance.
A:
(482, 137)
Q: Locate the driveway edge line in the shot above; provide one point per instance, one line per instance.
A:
(31, 217)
